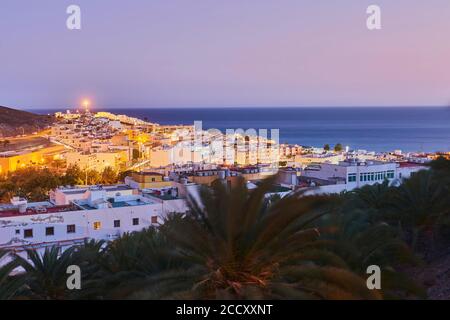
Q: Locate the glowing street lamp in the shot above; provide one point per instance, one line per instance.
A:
(86, 104)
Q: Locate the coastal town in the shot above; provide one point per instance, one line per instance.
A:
(161, 167)
(224, 158)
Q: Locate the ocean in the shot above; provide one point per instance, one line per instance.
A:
(424, 129)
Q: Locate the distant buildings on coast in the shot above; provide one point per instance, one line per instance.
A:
(156, 185)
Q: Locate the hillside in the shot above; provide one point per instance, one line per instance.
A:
(16, 122)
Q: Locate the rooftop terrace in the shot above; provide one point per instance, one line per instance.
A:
(8, 211)
(118, 202)
(80, 190)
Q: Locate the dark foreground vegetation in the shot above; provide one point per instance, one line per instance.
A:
(237, 244)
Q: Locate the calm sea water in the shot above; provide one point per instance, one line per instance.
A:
(378, 129)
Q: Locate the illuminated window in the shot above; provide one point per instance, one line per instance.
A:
(97, 225)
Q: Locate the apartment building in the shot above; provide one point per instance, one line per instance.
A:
(65, 195)
(97, 161)
(96, 215)
(11, 161)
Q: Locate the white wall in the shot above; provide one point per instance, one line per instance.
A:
(327, 171)
(406, 172)
(82, 219)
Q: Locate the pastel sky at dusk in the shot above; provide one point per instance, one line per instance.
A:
(224, 53)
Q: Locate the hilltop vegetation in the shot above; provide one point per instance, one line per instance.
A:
(16, 122)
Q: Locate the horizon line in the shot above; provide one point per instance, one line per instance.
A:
(224, 107)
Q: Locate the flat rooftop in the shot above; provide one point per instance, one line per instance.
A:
(163, 196)
(45, 207)
(120, 202)
(79, 190)
(8, 211)
(148, 173)
(363, 163)
(411, 165)
(318, 155)
(162, 193)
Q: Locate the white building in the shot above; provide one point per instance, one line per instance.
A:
(97, 161)
(66, 195)
(407, 169)
(351, 174)
(75, 215)
(169, 198)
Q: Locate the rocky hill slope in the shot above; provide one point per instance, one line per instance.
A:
(16, 122)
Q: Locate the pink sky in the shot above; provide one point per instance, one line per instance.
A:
(176, 53)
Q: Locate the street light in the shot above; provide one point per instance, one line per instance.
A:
(86, 104)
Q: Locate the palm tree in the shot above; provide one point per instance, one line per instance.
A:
(377, 196)
(91, 258)
(91, 251)
(362, 242)
(108, 176)
(46, 275)
(441, 169)
(338, 147)
(421, 203)
(128, 262)
(9, 285)
(238, 246)
(441, 165)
